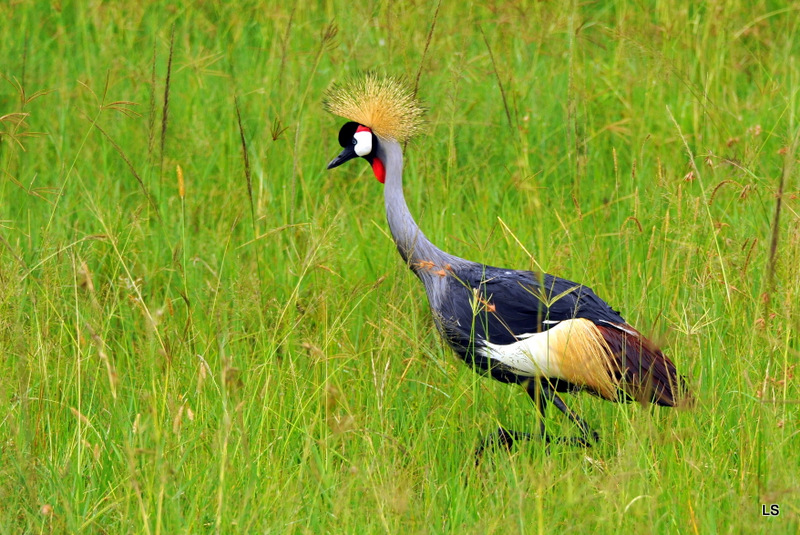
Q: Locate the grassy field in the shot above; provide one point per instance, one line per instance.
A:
(202, 330)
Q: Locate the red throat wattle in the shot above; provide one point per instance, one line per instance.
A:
(379, 170)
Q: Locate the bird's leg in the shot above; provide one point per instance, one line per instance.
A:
(536, 392)
(589, 437)
(502, 437)
(506, 437)
(542, 393)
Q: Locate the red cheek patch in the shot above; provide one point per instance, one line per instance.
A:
(379, 170)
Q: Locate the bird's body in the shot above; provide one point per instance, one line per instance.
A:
(517, 326)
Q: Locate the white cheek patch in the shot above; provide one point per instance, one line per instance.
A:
(363, 143)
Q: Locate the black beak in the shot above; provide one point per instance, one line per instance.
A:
(348, 153)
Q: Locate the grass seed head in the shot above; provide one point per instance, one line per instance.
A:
(181, 186)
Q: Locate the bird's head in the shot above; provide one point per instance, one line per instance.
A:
(379, 109)
(358, 140)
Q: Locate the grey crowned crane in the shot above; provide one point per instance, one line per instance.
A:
(543, 332)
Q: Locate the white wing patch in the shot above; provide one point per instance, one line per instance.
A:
(573, 350)
(534, 354)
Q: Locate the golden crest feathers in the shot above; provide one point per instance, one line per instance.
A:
(384, 104)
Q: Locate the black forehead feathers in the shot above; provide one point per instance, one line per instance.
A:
(347, 132)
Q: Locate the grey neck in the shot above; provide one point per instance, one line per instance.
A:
(412, 244)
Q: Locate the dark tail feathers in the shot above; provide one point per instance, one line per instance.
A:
(644, 372)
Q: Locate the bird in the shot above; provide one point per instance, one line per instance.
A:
(547, 334)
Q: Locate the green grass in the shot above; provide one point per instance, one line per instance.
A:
(254, 356)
